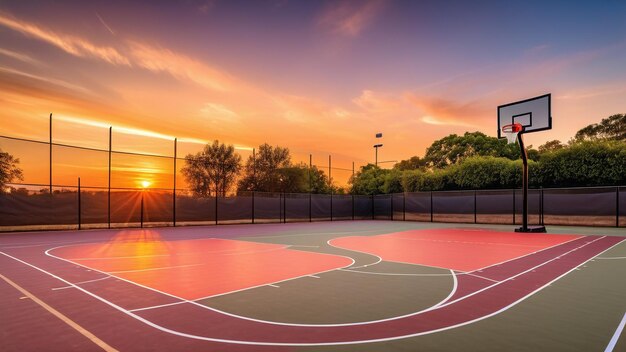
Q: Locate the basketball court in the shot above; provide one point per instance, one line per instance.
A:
(347, 285)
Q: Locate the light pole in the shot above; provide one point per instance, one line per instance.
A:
(376, 146)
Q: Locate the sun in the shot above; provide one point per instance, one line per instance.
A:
(145, 184)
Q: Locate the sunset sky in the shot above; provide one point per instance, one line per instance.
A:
(319, 77)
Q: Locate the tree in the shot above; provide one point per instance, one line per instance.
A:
(587, 163)
(550, 146)
(453, 149)
(261, 172)
(9, 170)
(413, 163)
(213, 170)
(368, 180)
(611, 128)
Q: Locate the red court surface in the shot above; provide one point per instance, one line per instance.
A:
(460, 250)
(78, 280)
(193, 269)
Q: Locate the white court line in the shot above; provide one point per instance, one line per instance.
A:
(468, 242)
(193, 302)
(259, 251)
(152, 269)
(480, 277)
(345, 324)
(273, 285)
(393, 274)
(317, 233)
(616, 335)
(81, 282)
(317, 277)
(156, 326)
(610, 258)
(346, 249)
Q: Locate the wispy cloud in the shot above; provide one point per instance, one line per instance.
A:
(349, 18)
(438, 111)
(54, 81)
(70, 44)
(104, 24)
(180, 66)
(20, 57)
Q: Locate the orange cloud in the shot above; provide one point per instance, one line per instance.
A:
(350, 18)
(437, 111)
(20, 57)
(180, 66)
(70, 44)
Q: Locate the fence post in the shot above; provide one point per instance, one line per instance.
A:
(216, 203)
(310, 187)
(353, 191)
(174, 188)
(109, 187)
(404, 206)
(617, 206)
(513, 206)
(391, 206)
(330, 185)
(352, 206)
(253, 207)
(141, 221)
(284, 208)
(475, 211)
(541, 206)
(373, 215)
(50, 153)
(431, 206)
(79, 205)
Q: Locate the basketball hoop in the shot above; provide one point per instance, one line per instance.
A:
(511, 131)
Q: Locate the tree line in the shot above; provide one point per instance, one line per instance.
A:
(595, 156)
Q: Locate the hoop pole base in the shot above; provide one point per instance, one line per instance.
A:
(535, 229)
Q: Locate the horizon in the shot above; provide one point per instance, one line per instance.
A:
(316, 77)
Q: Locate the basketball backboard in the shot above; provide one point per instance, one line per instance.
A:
(534, 114)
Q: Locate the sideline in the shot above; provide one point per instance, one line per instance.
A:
(62, 317)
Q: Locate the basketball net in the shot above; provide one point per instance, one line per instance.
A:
(511, 131)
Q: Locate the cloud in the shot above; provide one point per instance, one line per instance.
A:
(349, 18)
(180, 66)
(70, 44)
(56, 82)
(439, 111)
(20, 57)
(104, 24)
(218, 113)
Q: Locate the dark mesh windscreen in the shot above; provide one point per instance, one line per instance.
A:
(591, 206)
(382, 207)
(457, 206)
(342, 207)
(158, 206)
(234, 209)
(125, 208)
(267, 207)
(398, 206)
(192, 209)
(40, 208)
(296, 207)
(362, 207)
(320, 207)
(417, 206)
(94, 207)
(534, 206)
(494, 207)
